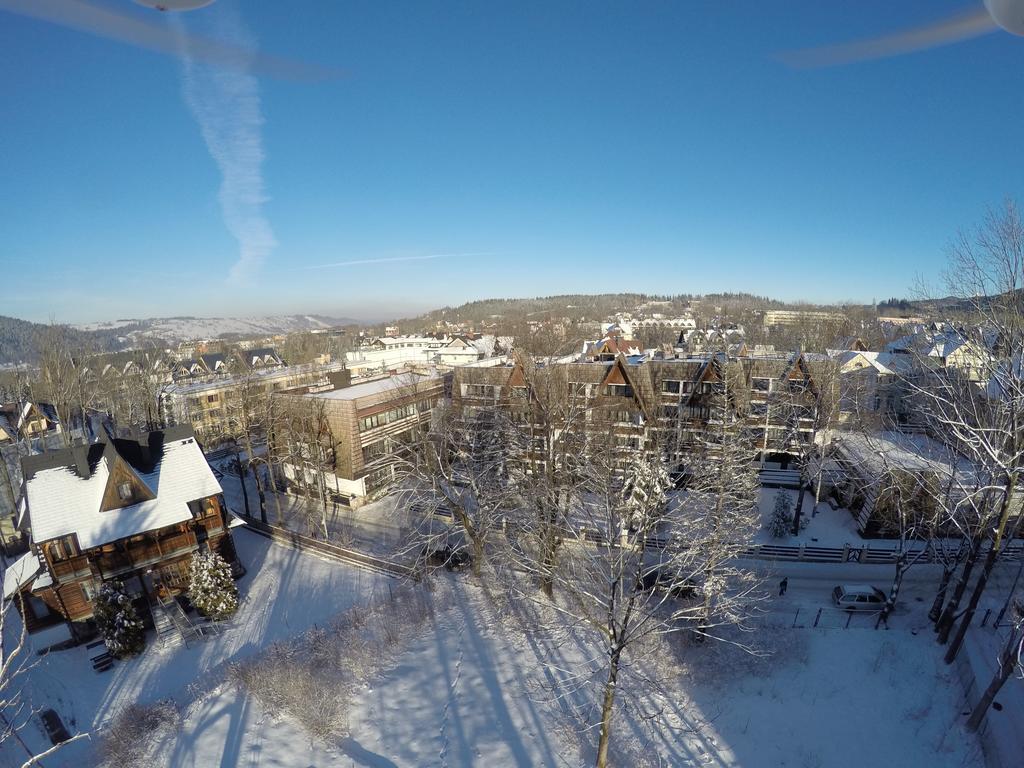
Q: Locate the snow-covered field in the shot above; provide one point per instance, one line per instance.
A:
(476, 690)
(474, 686)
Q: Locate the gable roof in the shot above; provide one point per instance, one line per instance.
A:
(213, 362)
(20, 572)
(258, 358)
(64, 489)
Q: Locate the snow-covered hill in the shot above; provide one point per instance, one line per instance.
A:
(176, 329)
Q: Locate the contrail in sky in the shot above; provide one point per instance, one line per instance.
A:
(393, 258)
(225, 102)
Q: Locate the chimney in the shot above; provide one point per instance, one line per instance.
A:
(340, 379)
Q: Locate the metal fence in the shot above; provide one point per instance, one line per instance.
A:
(333, 551)
(874, 553)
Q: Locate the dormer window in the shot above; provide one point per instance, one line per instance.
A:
(124, 491)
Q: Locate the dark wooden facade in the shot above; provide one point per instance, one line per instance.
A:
(142, 562)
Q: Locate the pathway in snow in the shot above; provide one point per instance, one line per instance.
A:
(452, 701)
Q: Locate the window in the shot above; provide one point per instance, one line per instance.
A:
(670, 411)
(697, 412)
(212, 398)
(373, 450)
(39, 608)
(124, 491)
(619, 390)
(671, 387)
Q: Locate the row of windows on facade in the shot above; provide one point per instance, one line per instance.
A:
(669, 386)
(395, 414)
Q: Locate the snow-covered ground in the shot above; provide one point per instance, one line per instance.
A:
(475, 689)
(284, 593)
(474, 686)
(825, 527)
(372, 528)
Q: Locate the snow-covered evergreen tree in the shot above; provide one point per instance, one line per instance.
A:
(118, 621)
(782, 515)
(211, 588)
(645, 489)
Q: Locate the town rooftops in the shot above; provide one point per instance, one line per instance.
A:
(67, 490)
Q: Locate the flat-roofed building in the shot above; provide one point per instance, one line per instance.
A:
(341, 440)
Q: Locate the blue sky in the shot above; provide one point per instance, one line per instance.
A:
(534, 148)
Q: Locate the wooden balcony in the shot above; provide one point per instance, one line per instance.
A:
(138, 554)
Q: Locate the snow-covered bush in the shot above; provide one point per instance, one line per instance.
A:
(118, 621)
(210, 586)
(130, 738)
(315, 677)
(782, 515)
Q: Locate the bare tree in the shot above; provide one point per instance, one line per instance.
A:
(304, 445)
(64, 383)
(1010, 660)
(459, 468)
(974, 399)
(245, 411)
(636, 565)
(15, 665)
(549, 417)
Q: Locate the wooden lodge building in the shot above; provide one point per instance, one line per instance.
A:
(129, 509)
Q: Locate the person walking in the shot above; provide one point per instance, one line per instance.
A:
(783, 585)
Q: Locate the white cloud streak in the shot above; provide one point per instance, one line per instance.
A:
(357, 262)
(225, 102)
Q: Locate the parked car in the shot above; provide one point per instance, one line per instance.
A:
(858, 597)
(452, 558)
(665, 581)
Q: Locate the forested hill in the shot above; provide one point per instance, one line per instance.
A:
(578, 307)
(21, 341)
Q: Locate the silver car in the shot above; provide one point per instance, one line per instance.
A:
(858, 597)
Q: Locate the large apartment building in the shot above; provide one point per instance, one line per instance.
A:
(340, 440)
(780, 403)
(206, 405)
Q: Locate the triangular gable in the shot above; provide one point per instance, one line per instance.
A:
(517, 378)
(122, 473)
(618, 374)
(800, 371)
(615, 375)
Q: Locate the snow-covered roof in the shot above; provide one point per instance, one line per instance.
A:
(377, 386)
(20, 572)
(897, 450)
(64, 497)
(886, 363)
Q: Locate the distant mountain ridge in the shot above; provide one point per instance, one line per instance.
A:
(185, 328)
(21, 340)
